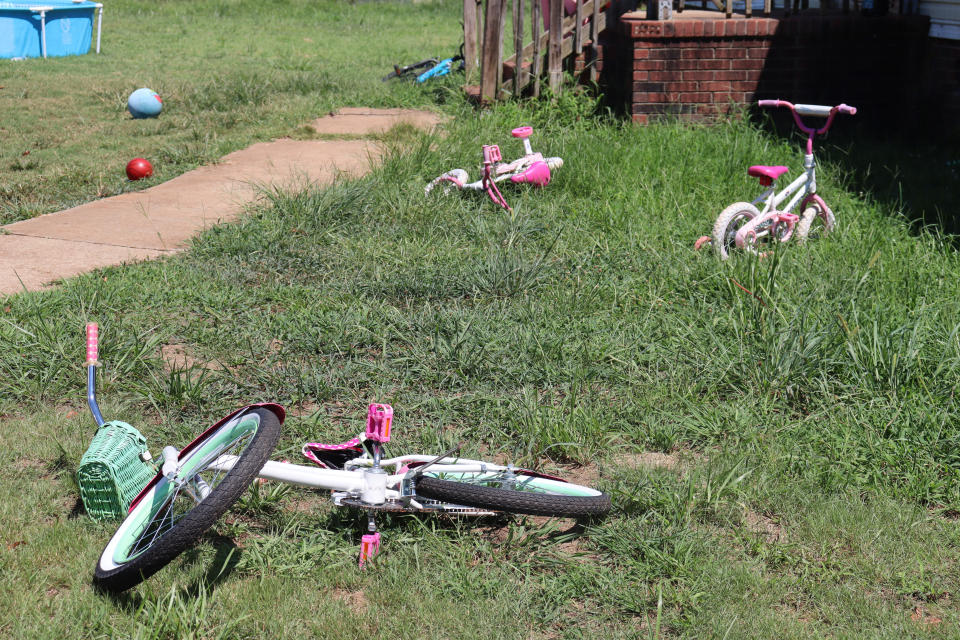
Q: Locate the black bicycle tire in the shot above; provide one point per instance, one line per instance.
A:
(498, 499)
(193, 524)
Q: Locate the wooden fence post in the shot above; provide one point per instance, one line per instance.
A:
(594, 35)
(470, 14)
(518, 10)
(491, 69)
(537, 69)
(554, 68)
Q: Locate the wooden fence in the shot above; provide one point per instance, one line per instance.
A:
(553, 38)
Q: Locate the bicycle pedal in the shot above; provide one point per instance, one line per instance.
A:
(491, 154)
(369, 547)
(379, 417)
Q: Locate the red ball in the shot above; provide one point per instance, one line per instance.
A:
(139, 168)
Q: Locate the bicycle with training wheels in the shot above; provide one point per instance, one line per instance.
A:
(743, 226)
(531, 168)
(192, 487)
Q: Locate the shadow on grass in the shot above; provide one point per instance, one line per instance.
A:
(224, 561)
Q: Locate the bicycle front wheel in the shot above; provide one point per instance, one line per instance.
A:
(817, 219)
(172, 515)
(516, 492)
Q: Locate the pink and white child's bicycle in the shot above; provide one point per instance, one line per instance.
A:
(531, 168)
(743, 226)
(187, 490)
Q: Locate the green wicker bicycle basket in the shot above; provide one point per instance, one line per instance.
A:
(113, 470)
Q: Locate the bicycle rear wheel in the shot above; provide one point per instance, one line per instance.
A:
(728, 223)
(516, 492)
(171, 516)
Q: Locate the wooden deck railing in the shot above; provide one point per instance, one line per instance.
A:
(563, 37)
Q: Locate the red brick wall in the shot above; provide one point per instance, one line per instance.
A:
(698, 68)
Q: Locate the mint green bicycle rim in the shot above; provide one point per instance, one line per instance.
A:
(162, 497)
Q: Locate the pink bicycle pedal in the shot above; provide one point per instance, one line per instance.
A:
(369, 547)
(379, 417)
(491, 153)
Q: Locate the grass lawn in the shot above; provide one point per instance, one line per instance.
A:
(231, 72)
(783, 461)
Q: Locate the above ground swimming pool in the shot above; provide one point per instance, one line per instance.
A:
(47, 28)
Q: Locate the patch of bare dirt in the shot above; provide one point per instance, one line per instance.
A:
(31, 464)
(922, 616)
(355, 600)
(177, 356)
(303, 410)
(763, 525)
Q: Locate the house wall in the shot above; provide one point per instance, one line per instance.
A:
(697, 68)
(944, 18)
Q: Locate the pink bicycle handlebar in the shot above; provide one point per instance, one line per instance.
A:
(810, 110)
(774, 103)
(93, 343)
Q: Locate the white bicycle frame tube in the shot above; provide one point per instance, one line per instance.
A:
(808, 180)
(351, 480)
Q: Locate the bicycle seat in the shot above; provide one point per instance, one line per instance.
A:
(522, 132)
(538, 173)
(333, 456)
(767, 174)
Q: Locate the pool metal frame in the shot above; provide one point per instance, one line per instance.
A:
(43, 9)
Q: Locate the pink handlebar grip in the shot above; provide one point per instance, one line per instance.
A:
(769, 103)
(93, 342)
(379, 417)
(847, 109)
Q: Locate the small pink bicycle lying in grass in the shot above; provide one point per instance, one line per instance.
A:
(531, 168)
(743, 226)
(187, 490)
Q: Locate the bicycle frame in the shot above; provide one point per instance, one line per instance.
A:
(531, 168)
(772, 215)
(351, 482)
(802, 190)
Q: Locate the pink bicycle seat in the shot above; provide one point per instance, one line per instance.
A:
(538, 173)
(767, 174)
(522, 132)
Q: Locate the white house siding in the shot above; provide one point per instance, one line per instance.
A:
(944, 18)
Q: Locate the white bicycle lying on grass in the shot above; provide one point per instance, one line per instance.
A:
(194, 486)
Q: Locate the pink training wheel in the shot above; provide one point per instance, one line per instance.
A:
(522, 132)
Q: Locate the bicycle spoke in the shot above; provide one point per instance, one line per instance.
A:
(184, 497)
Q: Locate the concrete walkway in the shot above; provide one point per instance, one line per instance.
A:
(161, 220)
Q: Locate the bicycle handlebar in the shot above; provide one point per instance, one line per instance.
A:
(815, 110)
(93, 343)
(810, 109)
